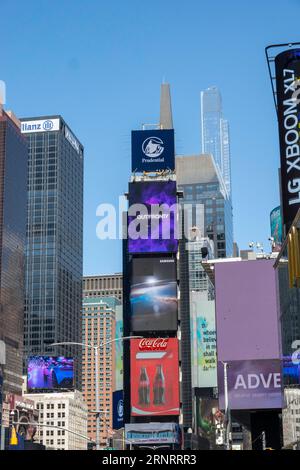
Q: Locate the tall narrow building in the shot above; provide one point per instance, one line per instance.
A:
(54, 238)
(13, 192)
(215, 133)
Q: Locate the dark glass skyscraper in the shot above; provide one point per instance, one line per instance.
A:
(13, 180)
(54, 238)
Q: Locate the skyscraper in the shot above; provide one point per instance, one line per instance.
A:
(13, 192)
(203, 186)
(99, 326)
(54, 238)
(215, 133)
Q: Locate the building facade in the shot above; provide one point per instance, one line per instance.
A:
(54, 238)
(13, 193)
(215, 132)
(68, 412)
(103, 286)
(206, 201)
(99, 326)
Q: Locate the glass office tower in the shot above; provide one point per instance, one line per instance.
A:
(203, 187)
(215, 132)
(54, 238)
(13, 191)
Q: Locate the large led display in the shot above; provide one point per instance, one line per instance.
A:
(287, 65)
(154, 377)
(153, 294)
(152, 217)
(152, 150)
(50, 373)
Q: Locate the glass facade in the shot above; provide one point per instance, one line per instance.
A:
(215, 133)
(13, 181)
(218, 223)
(54, 244)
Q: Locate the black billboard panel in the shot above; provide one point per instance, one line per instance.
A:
(153, 294)
(152, 217)
(287, 66)
(152, 150)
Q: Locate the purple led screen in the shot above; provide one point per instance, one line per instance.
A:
(159, 234)
(246, 310)
(50, 373)
(251, 384)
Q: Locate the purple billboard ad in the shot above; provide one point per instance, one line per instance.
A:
(247, 317)
(251, 385)
(50, 373)
(152, 217)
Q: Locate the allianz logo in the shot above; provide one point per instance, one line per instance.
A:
(38, 126)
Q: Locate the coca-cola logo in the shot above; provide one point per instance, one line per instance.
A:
(153, 344)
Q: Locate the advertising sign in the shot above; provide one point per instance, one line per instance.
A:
(152, 433)
(247, 310)
(287, 66)
(50, 373)
(252, 384)
(152, 217)
(119, 349)
(153, 294)
(41, 125)
(207, 418)
(276, 226)
(118, 409)
(154, 376)
(152, 150)
(291, 371)
(203, 341)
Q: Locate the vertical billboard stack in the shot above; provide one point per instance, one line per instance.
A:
(151, 360)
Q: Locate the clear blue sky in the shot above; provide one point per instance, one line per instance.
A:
(100, 64)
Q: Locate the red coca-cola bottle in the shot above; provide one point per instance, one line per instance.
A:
(159, 387)
(144, 387)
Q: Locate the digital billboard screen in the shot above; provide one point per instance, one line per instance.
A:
(287, 66)
(203, 341)
(276, 226)
(153, 294)
(152, 150)
(253, 384)
(291, 371)
(152, 217)
(247, 312)
(50, 373)
(154, 377)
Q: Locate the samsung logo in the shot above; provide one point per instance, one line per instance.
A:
(45, 125)
(166, 261)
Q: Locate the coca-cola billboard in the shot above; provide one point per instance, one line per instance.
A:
(154, 377)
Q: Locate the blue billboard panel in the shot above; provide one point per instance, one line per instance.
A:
(152, 150)
(152, 217)
(291, 370)
(50, 373)
(118, 409)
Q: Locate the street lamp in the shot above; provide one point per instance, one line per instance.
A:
(96, 349)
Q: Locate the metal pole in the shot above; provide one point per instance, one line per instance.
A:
(227, 418)
(96, 349)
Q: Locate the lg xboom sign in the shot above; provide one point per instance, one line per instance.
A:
(288, 101)
(152, 150)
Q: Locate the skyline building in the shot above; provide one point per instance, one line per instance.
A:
(99, 317)
(13, 193)
(206, 201)
(215, 137)
(105, 285)
(54, 239)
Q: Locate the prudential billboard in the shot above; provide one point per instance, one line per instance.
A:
(288, 107)
(152, 150)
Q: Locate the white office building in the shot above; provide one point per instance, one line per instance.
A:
(68, 413)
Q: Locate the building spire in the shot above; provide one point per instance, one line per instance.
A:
(166, 118)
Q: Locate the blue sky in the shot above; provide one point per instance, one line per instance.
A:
(100, 64)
